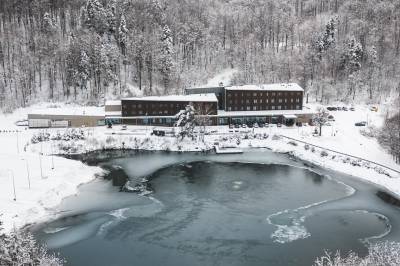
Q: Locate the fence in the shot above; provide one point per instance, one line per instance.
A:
(345, 154)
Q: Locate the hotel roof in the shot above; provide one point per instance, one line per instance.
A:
(268, 87)
(113, 102)
(207, 97)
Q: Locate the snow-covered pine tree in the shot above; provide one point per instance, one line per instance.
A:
(122, 35)
(185, 119)
(95, 16)
(166, 57)
(83, 70)
(19, 248)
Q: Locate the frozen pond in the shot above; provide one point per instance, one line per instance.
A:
(255, 208)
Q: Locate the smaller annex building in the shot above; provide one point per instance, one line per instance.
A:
(66, 117)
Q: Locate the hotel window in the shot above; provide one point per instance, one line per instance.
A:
(291, 100)
(272, 100)
(255, 101)
(285, 100)
(241, 108)
(247, 101)
(165, 111)
(229, 108)
(254, 108)
(298, 107)
(248, 108)
(297, 100)
(255, 94)
(279, 107)
(273, 107)
(230, 101)
(140, 112)
(280, 100)
(261, 100)
(266, 100)
(273, 94)
(279, 94)
(139, 105)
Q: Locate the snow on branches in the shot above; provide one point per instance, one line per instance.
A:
(320, 118)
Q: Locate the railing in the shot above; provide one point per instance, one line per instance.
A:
(345, 154)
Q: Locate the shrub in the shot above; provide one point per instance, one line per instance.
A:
(384, 253)
(293, 143)
(324, 154)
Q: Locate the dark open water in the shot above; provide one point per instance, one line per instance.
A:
(257, 208)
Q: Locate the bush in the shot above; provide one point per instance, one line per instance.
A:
(19, 248)
(384, 253)
(293, 143)
(324, 154)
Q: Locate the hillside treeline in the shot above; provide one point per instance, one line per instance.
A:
(88, 50)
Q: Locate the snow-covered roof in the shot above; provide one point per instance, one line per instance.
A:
(114, 113)
(268, 87)
(206, 97)
(72, 110)
(113, 102)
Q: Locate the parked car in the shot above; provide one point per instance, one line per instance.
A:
(361, 124)
(352, 109)
(345, 108)
(266, 125)
(237, 126)
(255, 125)
(331, 118)
(250, 125)
(231, 126)
(244, 126)
(331, 108)
(299, 124)
(374, 109)
(279, 125)
(261, 125)
(124, 127)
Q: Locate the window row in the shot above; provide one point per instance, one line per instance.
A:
(280, 100)
(262, 94)
(261, 108)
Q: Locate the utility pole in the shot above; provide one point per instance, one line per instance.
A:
(17, 143)
(52, 156)
(40, 162)
(13, 180)
(27, 172)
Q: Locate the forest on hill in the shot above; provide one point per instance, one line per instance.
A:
(89, 50)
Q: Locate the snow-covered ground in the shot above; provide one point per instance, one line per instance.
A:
(40, 190)
(225, 76)
(35, 204)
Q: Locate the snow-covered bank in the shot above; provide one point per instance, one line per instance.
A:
(29, 178)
